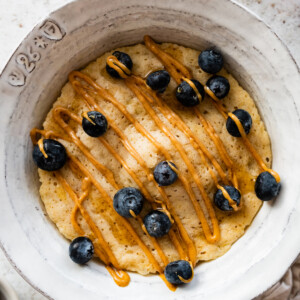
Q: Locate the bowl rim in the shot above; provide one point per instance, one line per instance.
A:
(255, 17)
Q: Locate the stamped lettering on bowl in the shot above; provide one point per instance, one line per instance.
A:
(26, 60)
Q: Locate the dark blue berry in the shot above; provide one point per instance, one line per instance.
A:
(127, 199)
(219, 85)
(222, 203)
(57, 155)
(266, 186)
(245, 120)
(97, 129)
(210, 61)
(158, 80)
(186, 95)
(81, 250)
(178, 268)
(122, 57)
(163, 173)
(157, 223)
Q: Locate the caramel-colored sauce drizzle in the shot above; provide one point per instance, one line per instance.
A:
(103, 250)
(80, 89)
(222, 110)
(119, 219)
(187, 280)
(179, 75)
(228, 198)
(174, 67)
(171, 287)
(41, 147)
(114, 63)
(57, 113)
(192, 85)
(251, 149)
(86, 116)
(141, 93)
(46, 134)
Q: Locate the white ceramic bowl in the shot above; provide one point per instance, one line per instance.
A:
(75, 35)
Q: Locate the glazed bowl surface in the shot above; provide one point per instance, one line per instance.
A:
(78, 33)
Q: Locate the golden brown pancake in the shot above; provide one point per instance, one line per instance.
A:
(59, 205)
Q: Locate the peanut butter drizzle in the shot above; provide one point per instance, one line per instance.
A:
(86, 116)
(41, 147)
(120, 219)
(190, 279)
(131, 173)
(154, 242)
(60, 121)
(171, 287)
(104, 252)
(170, 63)
(228, 198)
(85, 187)
(133, 83)
(105, 171)
(251, 149)
(119, 276)
(46, 134)
(222, 110)
(114, 63)
(174, 67)
(107, 96)
(192, 85)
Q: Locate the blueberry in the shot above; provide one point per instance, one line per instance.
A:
(210, 61)
(219, 85)
(158, 80)
(186, 95)
(157, 223)
(178, 268)
(266, 186)
(122, 57)
(57, 155)
(81, 250)
(245, 120)
(222, 203)
(163, 173)
(127, 199)
(98, 128)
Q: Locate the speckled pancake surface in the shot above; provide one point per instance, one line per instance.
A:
(59, 205)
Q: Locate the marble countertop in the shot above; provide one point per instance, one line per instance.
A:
(18, 17)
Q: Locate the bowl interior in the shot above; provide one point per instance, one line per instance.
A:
(82, 31)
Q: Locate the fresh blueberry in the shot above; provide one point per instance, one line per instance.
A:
(186, 95)
(163, 173)
(210, 61)
(245, 120)
(57, 155)
(178, 268)
(122, 57)
(128, 199)
(222, 203)
(158, 80)
(98, 128)
(157, 223)
(219, 85)
(81, 250)
(266, 186)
